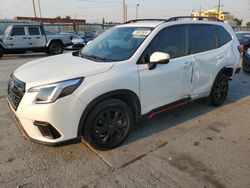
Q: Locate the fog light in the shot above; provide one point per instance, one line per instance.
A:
(47, 130)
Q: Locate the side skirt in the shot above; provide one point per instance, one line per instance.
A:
(166, 108)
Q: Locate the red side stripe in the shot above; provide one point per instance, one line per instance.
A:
(152, 114)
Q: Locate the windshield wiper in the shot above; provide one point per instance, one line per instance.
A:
(93, 57)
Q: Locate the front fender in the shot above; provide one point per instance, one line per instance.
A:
(2, 44)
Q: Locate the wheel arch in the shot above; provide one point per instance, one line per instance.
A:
(54, 40)
(127, 96)
(228, 71)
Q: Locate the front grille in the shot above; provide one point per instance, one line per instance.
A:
(16, 90)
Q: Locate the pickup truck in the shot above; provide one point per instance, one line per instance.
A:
(22, 38)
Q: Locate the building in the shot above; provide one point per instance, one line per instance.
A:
(213, 13)
(57, 20)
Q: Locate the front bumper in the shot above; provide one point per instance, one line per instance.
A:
(64, 115)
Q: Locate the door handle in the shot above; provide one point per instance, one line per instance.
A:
(188, 64)
(24, 37)
(38, 37)
(29, 38)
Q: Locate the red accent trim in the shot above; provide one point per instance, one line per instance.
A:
(152, 114)
(241, 49)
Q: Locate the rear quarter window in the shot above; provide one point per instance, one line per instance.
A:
(202, 38)
(223, 37)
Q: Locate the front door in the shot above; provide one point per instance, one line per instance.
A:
(17, 39)
(170, 82)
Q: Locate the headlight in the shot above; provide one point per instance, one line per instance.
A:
(51, 92)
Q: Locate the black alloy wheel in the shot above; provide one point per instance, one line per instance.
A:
(219, 91)
(56, 48)
(108, 124)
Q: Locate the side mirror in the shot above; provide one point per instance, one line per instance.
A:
(158, 58)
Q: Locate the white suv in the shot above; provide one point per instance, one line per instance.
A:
(132, 71)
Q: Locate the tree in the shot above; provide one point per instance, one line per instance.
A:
(238, 21)
(248, 24)
(67, 17)
(58, 17)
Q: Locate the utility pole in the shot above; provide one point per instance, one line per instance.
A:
(124, 11)
(34, 7)
(40, 9)
(137, 6)
(218, 10)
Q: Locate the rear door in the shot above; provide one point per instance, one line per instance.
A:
(170, 82)
(207, 57)
(36, 38)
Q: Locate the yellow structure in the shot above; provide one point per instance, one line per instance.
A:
(224, 16)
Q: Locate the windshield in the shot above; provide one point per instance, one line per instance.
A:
(116, 44)
(7, 31)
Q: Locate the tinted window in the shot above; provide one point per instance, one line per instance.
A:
(18, 31)
(223, 36)
(202, 38)
(171, 40)
(33, 30)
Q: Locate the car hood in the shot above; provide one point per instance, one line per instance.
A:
(59, 68)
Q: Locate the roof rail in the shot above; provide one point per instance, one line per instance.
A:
(141, 20)
(175, 19)
(197, 17)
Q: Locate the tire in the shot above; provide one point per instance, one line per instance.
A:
(55, 48)
(219, 91)
(108, 124)
(1, 52)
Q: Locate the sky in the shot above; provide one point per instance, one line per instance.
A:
(111, 10)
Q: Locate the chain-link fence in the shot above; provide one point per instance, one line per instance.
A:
(59, 27)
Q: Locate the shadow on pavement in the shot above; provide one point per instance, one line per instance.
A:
(239, 88)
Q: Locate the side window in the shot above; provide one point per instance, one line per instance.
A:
(171, 40)
(223, 37)
(202, 38)
(18, 31)
(34, 30)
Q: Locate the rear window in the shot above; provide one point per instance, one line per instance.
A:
(202, 38)
(223, 37)
(17, 31)
(34, 30)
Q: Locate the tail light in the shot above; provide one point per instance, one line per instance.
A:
(241, 49)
